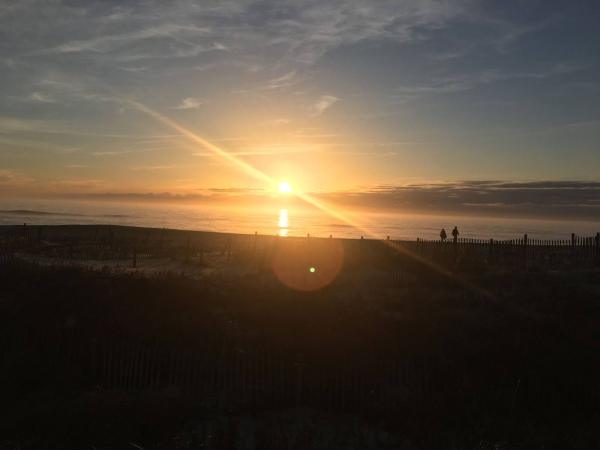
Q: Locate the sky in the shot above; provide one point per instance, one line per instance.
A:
(354, 98)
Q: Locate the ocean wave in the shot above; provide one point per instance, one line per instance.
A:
(341, 225)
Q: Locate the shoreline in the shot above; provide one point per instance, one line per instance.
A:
(6, 228)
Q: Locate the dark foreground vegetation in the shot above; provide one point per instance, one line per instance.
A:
(397, 357)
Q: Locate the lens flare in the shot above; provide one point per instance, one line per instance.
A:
(295, 263)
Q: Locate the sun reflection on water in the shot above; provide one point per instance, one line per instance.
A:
(283, 222)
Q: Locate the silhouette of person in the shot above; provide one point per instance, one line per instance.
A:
(455, 233)
(443, 235)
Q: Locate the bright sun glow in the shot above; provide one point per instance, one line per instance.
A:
(284, 187)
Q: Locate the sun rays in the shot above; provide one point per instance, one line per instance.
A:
(285, 187)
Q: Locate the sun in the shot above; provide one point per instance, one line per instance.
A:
(285, 187)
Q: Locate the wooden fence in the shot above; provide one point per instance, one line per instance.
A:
(230, 378)
(576, 251)
(137, 244)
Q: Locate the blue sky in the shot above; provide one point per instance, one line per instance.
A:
(335, 96)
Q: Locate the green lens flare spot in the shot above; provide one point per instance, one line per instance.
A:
(312, 269)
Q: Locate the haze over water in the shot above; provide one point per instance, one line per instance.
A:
(281, 220)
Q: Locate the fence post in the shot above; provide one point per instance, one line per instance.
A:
(455, 248)
(134, 263)
(111, 237)
(161, 239)
(525, 250)
(187, 249)
(299, 378)
(254, 243)
(362, 240)
(597, 248)
(229, 248)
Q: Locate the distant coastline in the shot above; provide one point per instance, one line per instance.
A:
(298, 221)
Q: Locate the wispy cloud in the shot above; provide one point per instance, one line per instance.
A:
(155, 168)
(189, 103)
(119, 152)
(555, 199)
(40, 97)
(18, 125)
(80, 185)
(108, 42)
(11, 178)
(265, 150)
(315, 133)
(465, 82)
(283, 81)
(286, 31)
(323, 103)
(276, 122)
(512, 33)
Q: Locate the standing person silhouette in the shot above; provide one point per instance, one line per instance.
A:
(443, 235)
(455, 233)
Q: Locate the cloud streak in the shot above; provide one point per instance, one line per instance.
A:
(323, 103)
(577, 200)
(105, 43)
(40, 97)
(189, 103)
(541, 199)
(465, 82)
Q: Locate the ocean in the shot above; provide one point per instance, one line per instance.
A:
(292, 221)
